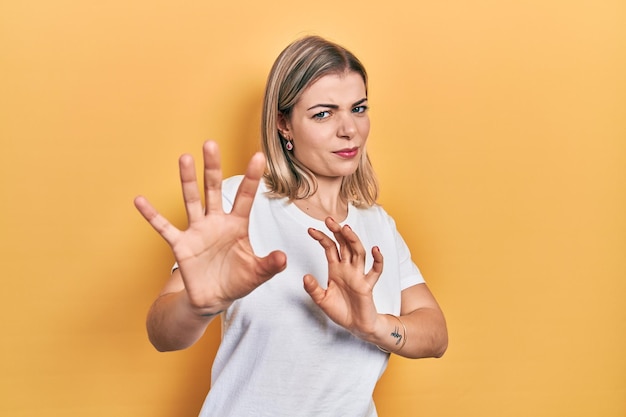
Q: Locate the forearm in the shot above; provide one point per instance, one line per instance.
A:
(425, 335)
(172, 324)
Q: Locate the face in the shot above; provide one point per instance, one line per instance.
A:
(329, 126)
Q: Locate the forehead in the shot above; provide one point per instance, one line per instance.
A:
(347, 87)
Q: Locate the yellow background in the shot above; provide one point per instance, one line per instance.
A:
(499, 136)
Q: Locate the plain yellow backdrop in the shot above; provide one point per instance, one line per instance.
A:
(499, 137)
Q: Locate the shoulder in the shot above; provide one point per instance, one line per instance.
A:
(375, 214)
(230, 186)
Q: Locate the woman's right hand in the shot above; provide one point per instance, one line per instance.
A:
(214, 255)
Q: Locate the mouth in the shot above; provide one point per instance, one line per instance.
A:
(347, 153)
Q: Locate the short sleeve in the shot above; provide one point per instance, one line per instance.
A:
(409, 272)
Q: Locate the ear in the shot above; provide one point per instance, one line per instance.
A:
(283, 125)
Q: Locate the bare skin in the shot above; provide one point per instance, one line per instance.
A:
(215, 259)
(217, 266)
(348, 298)
(329, 128)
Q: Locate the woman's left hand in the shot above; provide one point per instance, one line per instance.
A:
(348, 299)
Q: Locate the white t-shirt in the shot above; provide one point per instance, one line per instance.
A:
(280, 355)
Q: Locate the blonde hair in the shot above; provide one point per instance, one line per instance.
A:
(299, 65)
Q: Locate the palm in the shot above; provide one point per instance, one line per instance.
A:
(214, 254)
(348, 298)
(212, 249)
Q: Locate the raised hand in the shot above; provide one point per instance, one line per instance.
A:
(348, 299)
(214, 254)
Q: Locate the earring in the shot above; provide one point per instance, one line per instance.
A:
(289, 145)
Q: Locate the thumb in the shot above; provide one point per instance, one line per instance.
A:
(272, 264)
(312, 287)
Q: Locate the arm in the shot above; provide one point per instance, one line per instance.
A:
(426, 333)
(348, 300)
(216, 262)
(172, 324)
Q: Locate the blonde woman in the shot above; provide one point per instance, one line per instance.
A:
(314, 284)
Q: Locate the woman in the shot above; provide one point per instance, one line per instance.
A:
(304, 214)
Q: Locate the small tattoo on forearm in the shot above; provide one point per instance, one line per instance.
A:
(397, 335)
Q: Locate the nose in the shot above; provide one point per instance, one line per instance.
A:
(347, 126)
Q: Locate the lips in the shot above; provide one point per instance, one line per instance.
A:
(347, 153)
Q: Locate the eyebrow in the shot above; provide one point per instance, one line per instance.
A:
(334, 106)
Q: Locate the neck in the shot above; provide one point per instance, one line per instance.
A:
(326, 202)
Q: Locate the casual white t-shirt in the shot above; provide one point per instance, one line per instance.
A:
(280, 355)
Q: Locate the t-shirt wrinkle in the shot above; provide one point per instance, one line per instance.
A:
(280, 355)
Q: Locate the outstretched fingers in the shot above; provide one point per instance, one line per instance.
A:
(350, 248)
(377, 266)
(156, 220)
(212, 177)
(189, 184)
(249, 185)
(332, 255)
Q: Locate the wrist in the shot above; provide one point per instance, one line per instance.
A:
(208, 310)
(394, 335)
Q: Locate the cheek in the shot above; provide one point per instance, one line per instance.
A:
(314, 133)
(365, 127)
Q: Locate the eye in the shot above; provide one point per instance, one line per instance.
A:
(359, 109)
(322, 115)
